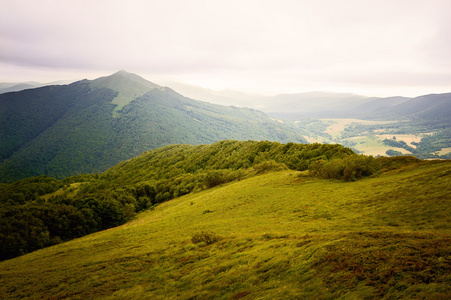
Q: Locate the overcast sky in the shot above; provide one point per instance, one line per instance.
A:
(370, 47)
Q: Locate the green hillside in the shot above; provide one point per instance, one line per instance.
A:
(89, 126)
(278, 235)
(38, 212)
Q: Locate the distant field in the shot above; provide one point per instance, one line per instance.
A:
(317, 139)
(408, 138)
(340, 124)
(372, 145)
(444, 151)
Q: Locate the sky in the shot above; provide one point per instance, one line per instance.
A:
(368, 47)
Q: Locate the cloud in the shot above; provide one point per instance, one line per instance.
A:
(250, 44)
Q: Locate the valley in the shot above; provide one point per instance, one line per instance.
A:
(359, 122)
(365, 142)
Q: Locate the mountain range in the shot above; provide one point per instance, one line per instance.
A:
(297, 106)
(318, 105)
(90, 125)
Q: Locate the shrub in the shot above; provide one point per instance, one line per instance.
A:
(206, 237)
(269, 165)
(358, 166)
(350, 168)
(391, 152)
(214, 178)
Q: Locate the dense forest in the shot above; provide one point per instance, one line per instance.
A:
(41, 211)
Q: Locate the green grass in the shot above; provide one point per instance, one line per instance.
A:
(282, 235)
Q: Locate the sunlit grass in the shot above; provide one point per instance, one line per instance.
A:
(282, 235)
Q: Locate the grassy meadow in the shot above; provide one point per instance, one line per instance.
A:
(280, 235)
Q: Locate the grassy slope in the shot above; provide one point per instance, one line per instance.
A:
(284, 236)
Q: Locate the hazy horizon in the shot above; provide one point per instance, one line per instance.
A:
(372, 48)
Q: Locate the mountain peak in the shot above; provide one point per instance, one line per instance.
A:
(122, 72)
(125, 74)
(129, 86)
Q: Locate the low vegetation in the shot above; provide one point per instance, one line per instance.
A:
(278, 235)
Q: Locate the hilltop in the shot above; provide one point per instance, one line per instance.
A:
(279, 234)
(91, 125)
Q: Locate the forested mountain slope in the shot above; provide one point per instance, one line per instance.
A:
(89, 126)
(434, 109)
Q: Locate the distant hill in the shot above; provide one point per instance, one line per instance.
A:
(5, 88)
(88, 126)
(376, 107)
(312, 105)
(20, 86)
(222, 97)
(284, 106)
(433, 108)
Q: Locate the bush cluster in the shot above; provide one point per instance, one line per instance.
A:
(269, 165)
(350, 168)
